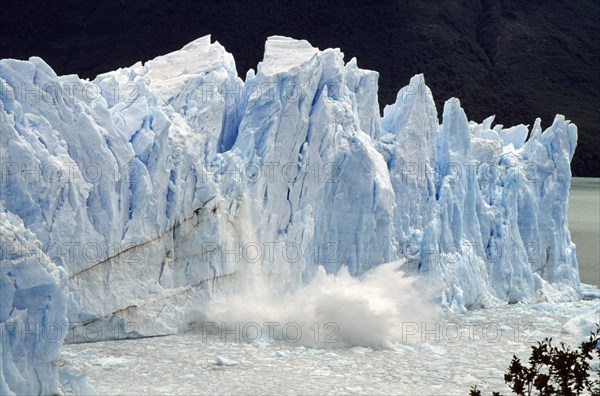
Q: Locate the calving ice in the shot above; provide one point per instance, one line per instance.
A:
(384, 182)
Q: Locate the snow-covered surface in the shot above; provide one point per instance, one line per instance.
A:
(474, 348)
(161, 186)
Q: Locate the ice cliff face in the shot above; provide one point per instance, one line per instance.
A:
(32, 314)
(155, 186)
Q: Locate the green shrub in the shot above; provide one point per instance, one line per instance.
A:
(555, 370)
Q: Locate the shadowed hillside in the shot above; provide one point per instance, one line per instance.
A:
(516, 59)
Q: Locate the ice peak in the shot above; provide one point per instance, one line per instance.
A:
(283, 54)
(201, 42)
(194, 60)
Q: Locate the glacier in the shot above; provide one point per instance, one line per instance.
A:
(128, 202)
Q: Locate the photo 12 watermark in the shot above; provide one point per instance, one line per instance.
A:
(289, 332)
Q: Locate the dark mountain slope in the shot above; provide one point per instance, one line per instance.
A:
(516, 59)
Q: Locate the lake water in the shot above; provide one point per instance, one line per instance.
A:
(584, 223)
(451, 355)
(445, 357)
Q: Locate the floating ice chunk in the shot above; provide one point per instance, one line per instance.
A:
(426, 348)
(583, 324)
(107, 361)
(222, 361)
(73, 375)
(361, 350)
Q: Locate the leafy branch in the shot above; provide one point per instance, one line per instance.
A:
(555, 370)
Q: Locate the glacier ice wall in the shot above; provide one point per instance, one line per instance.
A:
(32, 314)
(155, 186)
